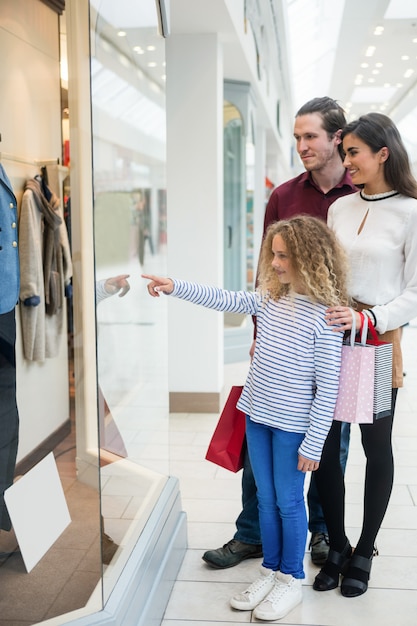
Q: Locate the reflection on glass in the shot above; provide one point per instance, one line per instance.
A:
(130, 237)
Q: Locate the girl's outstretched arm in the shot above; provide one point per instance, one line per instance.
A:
(158, 284)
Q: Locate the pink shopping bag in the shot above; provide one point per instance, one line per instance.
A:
(355, 399)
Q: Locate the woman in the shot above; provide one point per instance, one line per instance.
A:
(378, 228)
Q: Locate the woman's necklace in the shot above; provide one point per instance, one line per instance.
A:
(378, 196)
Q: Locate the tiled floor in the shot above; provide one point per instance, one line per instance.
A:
(211, 499)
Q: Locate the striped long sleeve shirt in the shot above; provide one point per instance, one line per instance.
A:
(293, 377)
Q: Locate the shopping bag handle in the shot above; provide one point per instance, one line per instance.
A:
(364, 330)
(366, 326)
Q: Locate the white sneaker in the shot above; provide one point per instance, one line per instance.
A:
(285, 595)
(256, 592)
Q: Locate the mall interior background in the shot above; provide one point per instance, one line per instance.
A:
(164, 126)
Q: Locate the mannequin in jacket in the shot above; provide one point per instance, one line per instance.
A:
(9, 294)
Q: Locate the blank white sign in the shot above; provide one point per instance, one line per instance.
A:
(38, 510)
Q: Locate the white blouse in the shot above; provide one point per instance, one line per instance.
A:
(383, 256)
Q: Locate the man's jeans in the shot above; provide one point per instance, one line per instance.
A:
(247, 523)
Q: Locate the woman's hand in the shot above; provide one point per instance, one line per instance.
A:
(158, 284)
(306, 465)
(341, 317)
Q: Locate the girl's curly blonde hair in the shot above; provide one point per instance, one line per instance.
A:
(316, 256)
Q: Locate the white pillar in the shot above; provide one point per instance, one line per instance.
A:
(259, 193)
(195, 216)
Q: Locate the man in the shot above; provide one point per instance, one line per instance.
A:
(317, 129)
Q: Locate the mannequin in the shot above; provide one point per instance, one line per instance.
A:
(9, 293)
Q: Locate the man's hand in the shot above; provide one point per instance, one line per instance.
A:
(158, 285)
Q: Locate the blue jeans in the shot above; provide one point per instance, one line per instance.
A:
(280, 487)
(247, 524)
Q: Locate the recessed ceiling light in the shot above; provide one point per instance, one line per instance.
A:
(408, 73)
(379, 30)
(139, 50)
(152, 64)
(121, 33)
(405, 57)
(370, 51)
(364, 65)
(371, 80)
(150, 48)
(375, 72)
(379, 65)
(124, 60)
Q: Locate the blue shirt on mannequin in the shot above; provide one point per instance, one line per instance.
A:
(9, 253)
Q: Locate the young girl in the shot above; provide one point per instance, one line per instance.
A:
(290, 392)
(378, 228)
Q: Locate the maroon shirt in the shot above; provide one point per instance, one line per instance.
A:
(300, 195)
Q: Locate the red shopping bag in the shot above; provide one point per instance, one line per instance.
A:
(226, 445)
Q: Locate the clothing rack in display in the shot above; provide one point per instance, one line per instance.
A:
(5, 156)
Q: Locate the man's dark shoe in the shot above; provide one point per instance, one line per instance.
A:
(319, 546)
(232, 553)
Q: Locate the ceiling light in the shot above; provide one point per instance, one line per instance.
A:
(408, 73)
(405, 57)
(152, 64)
(379, 64)
(121, 33)
(124, 60)
(139, 50)
(375, 72)
(371, 80)
(364, 65)
(379, 30)
(370, 51)
(150, 48)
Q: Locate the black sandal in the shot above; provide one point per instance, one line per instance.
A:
(352, 586)
(336, 564)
